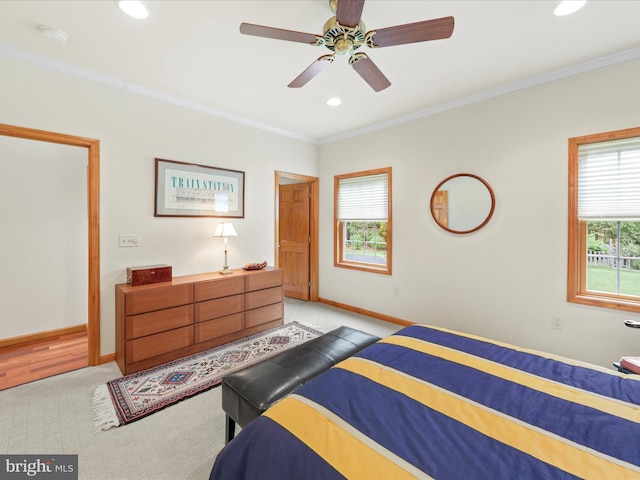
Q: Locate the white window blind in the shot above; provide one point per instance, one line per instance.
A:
(363, 198)
(609, 180)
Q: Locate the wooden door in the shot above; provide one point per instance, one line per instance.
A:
(293, 251)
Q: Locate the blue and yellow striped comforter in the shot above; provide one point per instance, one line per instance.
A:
(432, 403)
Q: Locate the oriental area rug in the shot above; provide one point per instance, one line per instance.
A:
(132, 397)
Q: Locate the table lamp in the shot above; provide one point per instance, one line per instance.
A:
(225, 230)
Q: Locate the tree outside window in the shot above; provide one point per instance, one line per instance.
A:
(613, 257)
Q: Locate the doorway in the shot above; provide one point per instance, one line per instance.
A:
(296, 227)
(93, 223)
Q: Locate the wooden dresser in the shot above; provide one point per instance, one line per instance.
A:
(162, 322)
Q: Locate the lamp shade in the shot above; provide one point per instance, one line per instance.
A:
(225, 229)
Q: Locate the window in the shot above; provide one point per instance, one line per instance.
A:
(604, 220)
(362, 219)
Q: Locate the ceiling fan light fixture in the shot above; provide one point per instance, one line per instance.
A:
(133, 8)
(567, 7)
(343, 46)
(342, 39)
(334, 102)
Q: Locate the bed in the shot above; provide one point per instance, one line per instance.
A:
(429, 402)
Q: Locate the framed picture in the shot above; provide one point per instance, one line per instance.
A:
(190, 190)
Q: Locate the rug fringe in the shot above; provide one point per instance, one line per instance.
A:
(104, 414)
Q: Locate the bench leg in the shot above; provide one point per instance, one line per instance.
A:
(229, 430)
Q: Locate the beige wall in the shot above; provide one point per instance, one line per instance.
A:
(43, 227)
(507, 280)
(133, 130)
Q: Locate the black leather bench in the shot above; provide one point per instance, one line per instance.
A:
(247, 393)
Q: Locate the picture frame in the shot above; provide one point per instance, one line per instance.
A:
(192, 190)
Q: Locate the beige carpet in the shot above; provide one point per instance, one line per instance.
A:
(54, 416)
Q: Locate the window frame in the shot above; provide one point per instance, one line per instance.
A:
(338, 254)
(577, 235)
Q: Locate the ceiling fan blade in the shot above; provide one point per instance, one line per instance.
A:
(435, 29)
(369, 71)
(278, 33)
(348, 12)
(311, 71)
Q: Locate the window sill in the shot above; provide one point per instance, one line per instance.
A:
(604, 301)
(384, 270)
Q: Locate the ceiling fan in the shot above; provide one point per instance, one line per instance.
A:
(344, 33)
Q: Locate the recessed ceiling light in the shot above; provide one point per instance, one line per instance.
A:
(334, 102)
(133, 8)
(567, 7)
(54, 34)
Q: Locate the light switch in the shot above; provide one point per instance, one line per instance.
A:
(129, 240)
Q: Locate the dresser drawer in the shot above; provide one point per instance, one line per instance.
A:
(262, 315)
(221, 287)
(264, 279)
(220, 307)
(264, 297)
(158, 298)
(219, 327)
(158, 321)
(161, 322)
(152, 345)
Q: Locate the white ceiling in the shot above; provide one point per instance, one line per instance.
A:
(191, 53)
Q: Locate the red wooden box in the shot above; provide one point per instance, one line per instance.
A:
(148, 274)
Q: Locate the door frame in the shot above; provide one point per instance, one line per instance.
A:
(314, 208)
(93, 211)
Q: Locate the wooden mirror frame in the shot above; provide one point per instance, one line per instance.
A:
(433, 206)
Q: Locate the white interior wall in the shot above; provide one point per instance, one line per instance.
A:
(133, 131)
(504, 281)
(507, 280)
(43, 227)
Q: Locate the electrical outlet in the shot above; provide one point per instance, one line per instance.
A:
(129, 240)
(557, 323)
(396, 292)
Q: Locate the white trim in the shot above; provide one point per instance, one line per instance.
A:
(51, 64)
(619, 57)
(86, 74)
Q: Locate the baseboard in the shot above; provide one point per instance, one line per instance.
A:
(38, 336)
(107, 358)
(369, 313)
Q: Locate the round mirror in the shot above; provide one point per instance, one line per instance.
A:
(462, 203)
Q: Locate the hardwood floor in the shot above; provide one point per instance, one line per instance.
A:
(25, 363)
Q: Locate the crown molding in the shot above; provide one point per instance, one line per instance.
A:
(576, 69)
(114, 82)
(90, 75)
